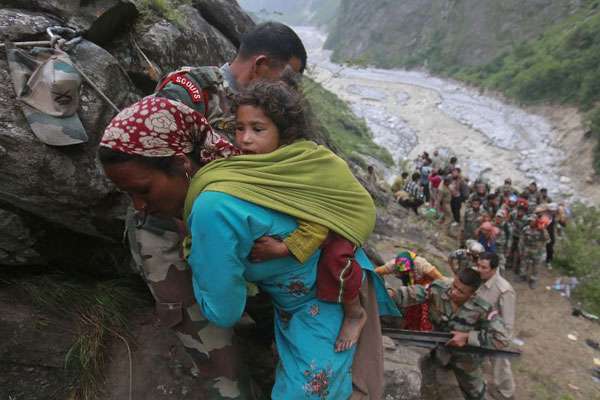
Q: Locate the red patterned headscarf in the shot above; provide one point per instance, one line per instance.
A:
(160, 127)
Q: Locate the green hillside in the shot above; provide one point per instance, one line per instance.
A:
(560, 66)
(348, 133)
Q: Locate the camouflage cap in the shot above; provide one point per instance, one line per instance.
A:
(47, 84)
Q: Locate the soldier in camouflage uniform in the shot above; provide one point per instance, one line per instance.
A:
(155, 242)
(465, 258)
(454, 307)
(533, 197)
(532, 247)
(517, 222)
(502, 240)
(472, 220)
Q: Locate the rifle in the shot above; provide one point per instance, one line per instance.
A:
(431, 340)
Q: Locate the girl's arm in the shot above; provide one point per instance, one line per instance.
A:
(302, 243)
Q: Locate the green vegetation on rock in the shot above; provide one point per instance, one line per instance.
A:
(348, 133)
(100, 311)
(578, 253)
(167, 9)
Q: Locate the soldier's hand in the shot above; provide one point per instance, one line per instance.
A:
(459, 339)
(267, 248)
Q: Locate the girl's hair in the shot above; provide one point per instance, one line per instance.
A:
(282, 102)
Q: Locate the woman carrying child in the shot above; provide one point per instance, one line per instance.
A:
(279, 183)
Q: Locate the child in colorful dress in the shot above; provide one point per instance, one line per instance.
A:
(262, 111)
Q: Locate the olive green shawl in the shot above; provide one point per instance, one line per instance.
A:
(303, 179)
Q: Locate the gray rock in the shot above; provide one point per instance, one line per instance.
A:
(103, 21)
(32, 350)
(226, 16)
(63, 187)
(169, 46)
(402, 371)
(61, 8)
(19, 25)
(17, 241)
(565, 179)
(161, 366)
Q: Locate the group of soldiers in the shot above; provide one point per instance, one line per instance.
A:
(499, 230)
(520, 228)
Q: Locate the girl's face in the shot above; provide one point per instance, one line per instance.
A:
(255, 133)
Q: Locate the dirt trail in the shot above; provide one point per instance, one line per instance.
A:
(552, 367)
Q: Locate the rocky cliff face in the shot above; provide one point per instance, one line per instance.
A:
(450, 32)
(56, 206)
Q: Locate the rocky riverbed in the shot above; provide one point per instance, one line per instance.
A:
(410, 112)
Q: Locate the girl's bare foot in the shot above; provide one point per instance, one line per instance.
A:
(350, 331)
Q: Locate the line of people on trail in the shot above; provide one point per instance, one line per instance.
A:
(519, 226)
(236, 211)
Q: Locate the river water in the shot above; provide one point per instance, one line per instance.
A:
(409, 112)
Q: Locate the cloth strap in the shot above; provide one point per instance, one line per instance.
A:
(303, 179)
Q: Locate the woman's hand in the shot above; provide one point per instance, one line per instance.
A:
(268, 248)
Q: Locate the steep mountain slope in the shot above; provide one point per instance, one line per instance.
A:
(454, 32)
(294, 12)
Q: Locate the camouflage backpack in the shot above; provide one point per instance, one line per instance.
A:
(205, 90)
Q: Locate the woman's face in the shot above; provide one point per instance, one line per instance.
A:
(255, 133)
(150, 189)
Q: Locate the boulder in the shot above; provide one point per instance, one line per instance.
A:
(402, 371)
(103, 21)
(226, 16)
(33, 349)
(19, 25)
(17, 241)
(61, 8)
(63, 187)
(169, 45)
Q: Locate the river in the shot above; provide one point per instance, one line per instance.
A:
(409, 112)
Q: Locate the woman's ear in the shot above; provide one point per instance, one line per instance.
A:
(185, 165)
(260, 67)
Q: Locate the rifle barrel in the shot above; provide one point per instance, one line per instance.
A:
(432, 340)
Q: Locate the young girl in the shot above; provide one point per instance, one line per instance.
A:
(263, 111)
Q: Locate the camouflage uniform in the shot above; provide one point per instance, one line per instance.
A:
(502, 241)
(476, 316)
(533, 200)
(516, 226)
(463, 259)
(532, 247)
(471, 222)
(208, 90)
(155, 244)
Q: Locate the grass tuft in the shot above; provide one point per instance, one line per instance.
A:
(100, 311)
(167, 9)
